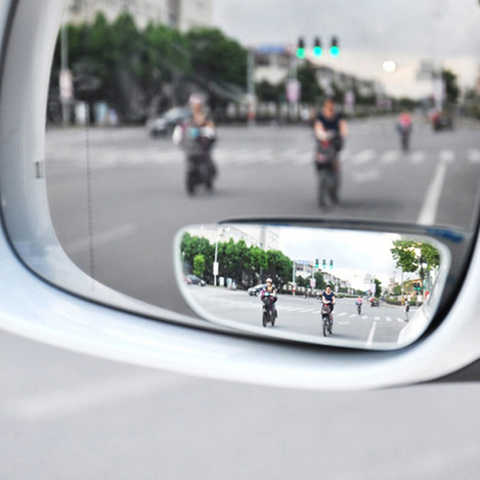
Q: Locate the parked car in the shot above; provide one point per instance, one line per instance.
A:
(194, 280)
(442, 120)
(165, 123)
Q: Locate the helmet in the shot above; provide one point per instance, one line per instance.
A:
(196, 99)
(269, 280)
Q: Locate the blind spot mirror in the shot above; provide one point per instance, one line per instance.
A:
(338, 287)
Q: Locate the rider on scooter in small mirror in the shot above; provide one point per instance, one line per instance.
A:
(268, 296)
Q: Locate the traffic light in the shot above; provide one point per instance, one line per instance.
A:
(334, 49)
(324, 263)
(316, 263)
(331, 264)
(317, 48)
(301, 48)
(417, 286)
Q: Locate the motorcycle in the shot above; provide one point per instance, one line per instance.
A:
(269, 313)
(404, 131)
(327, 319)
(200, 171)
(327, 166)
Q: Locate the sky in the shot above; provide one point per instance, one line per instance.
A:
(354, 254)
(445, 32)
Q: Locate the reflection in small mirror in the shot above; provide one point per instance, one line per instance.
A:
(345, 288)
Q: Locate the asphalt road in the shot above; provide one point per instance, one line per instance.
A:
(376, 327)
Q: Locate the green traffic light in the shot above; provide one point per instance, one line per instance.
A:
(334, 51)
(300, 52)
(317, 51)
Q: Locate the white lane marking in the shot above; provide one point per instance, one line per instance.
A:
(363, 157)
(101, 239)
(366, 177)
(428, 212)
(417, 157)
(447, 156)
(371, 335)
(390, 157)
(473, 156)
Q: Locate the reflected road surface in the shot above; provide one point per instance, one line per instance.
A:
(136, 199)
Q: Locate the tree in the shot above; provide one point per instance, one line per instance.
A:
(279, 266)
(308, 80)
(199, 265)
(215, 57)
(320, 283)
(451, 86)
(415, 256)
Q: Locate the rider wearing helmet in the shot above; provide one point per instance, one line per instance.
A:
(197, 135)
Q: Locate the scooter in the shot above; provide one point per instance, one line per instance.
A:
(328, 174)
(269, 313)
(404, 132)
(327, 319)
(200, 171)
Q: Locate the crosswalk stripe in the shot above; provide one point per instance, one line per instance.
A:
(447, 156)
(391, 156)
(473, 156)
(363, 157)
(417, 157)
(243, 156)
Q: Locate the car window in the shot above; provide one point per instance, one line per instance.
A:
(279, 92)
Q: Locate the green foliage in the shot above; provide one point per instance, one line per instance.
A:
(410, 255)
(199, 265)
(246, 265)
(117, 61)
(309, 86)
(216, 57)
(451, 86)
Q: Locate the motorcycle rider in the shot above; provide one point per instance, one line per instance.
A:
(404, 127)
(196, 137)
(359, 303)
(268, 295)
(331, 130)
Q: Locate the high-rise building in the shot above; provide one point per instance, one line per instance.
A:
(181, 14)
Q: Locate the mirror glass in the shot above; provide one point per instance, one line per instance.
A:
(274, 280)
(122, 79)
